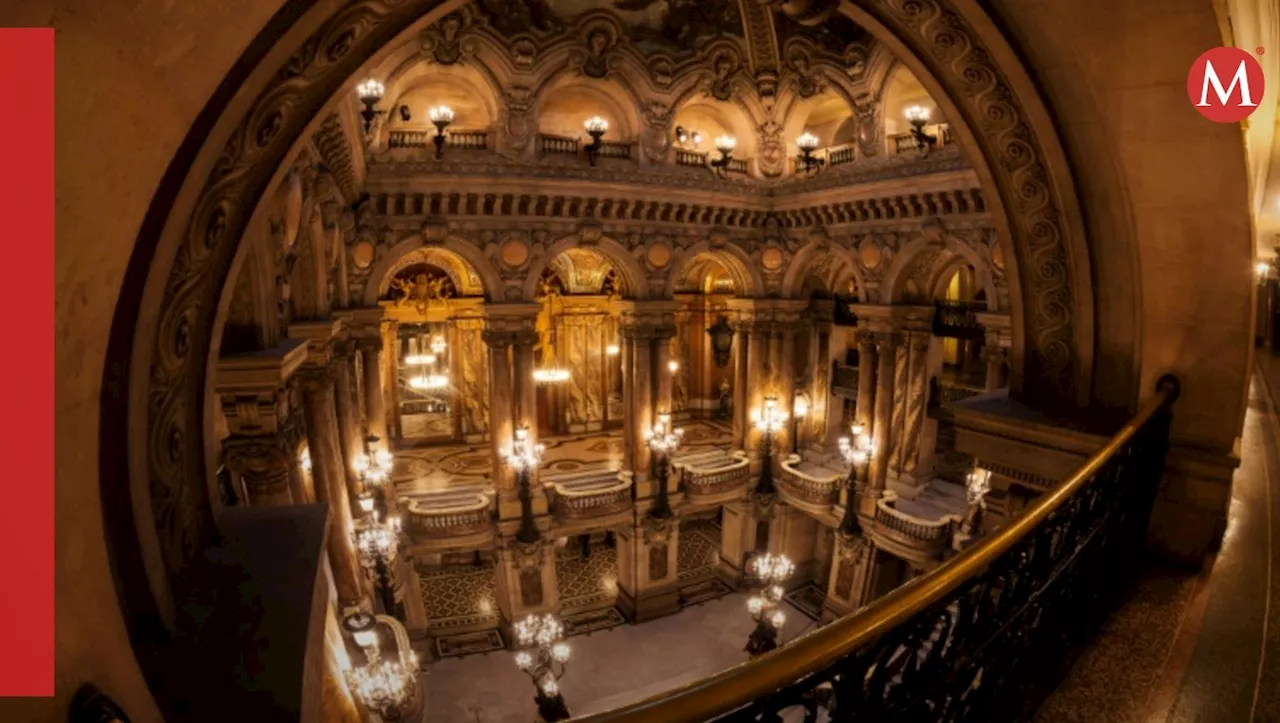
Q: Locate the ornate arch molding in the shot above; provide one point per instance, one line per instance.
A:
(728, 254)
(817, 255)
(633, 276)
(959, 55)
(907, 262)
(409, 250)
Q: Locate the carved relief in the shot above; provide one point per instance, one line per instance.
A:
(530, 587)
(658, 561)
(773, 154)
(844, 579)
(443, 41)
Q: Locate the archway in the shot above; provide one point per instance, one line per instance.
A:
(166, 325)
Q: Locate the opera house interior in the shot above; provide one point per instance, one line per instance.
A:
(493, 361)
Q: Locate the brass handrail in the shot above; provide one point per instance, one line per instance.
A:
(757, 678)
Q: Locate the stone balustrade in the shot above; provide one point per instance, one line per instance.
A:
(808, 483)
(588, 494)
(448, 513)
(911, 537)
(711, 472)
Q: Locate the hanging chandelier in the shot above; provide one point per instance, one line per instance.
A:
(551, 374)
(426, 382)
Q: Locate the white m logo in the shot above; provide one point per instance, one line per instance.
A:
(1241, 78)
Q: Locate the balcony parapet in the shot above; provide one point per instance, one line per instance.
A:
(712, 473)
(448, 513)
(809, 484)
(909, 537)
(585, 495)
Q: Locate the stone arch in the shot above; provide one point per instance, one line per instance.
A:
(633, 276)
(803, 260)
(466, 78)
(175, 293)
(460, 248)
(729, 255)
(622, 102)
(915, 251)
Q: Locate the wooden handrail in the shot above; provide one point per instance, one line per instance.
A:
(761, 677)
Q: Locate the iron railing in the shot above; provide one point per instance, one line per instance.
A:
(984, 636)
(958, 319)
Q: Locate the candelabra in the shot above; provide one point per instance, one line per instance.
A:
(977, 485)
(377, 541)
(808, 143)
(918, 116)
(772, 571)
(724, 146)
(522, 457)
(857, 454)
(596, 127)
(770, 421)
(374, 469)
(545, 660)
(386, 685)
(441, 116)
(663, 442)
(370, 93)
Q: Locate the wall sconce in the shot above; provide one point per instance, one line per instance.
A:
(1261, 271)
(687, 137)
(725, 145)
(808, 143)
(596, 128)
(371, 93)
(673, 366)
(441, 116)
(612, 350)
(918, 116)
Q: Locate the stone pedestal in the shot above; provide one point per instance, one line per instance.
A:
(648, 579)
(850, 579)
(526, 579)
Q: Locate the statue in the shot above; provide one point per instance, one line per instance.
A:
(421, 292)
(726, 399)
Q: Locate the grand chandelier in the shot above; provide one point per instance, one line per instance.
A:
(551, 374)
(544, 660)
(386, 684)
(772, 571)
(428, 378)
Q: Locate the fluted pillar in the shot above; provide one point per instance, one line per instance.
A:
(330, 480)
(786, 385)
(501, 404)
(642, 394)
(886, 350)
(814, 430)
(374, 400)
(352, 445)
(628, 381)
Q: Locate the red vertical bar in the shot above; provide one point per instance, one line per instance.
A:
(26, 439)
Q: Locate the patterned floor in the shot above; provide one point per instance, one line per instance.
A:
(699, 548)
(424, 469)
(589, 582)
(460, 596)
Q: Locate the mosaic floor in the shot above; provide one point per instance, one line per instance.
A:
(608, 668)
(426, 469)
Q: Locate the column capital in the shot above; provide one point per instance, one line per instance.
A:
(496, 339)
(997, 354)
(264, 462)
(369, 344)
(317, 379)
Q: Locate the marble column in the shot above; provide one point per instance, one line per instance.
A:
(865, 413)
(813, 431)
(524, 387)
(375, 401)
(501, 404)
(886, 351)
(352, 444)
(996, 358)
(786, 386)
(741, 361)
(665, 382)
(630, 424)
(642, 391)
(756, 383)
(323, 444)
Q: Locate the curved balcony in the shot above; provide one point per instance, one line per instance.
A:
(448, 513)
(703, 474)
(587, 495)
(910, 537)
(809, 484)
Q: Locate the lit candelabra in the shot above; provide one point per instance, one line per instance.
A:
(977, 485)
(544, 660)
(374, 470)
(770, 420)
(857, 454)
(386, 684)
(772, 571)
(377, 541)
(663, 441)
(523, 457)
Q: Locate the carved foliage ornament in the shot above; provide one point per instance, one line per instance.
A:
(320, 68)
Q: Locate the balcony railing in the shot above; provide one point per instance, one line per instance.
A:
(920, 539)
(464, 140)
(958, 319)
(589, 494)
(977, 639)
(906, 143)
(557, 145)
(820, 487)
(692, 159)
(714, 472)
(439, 515)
